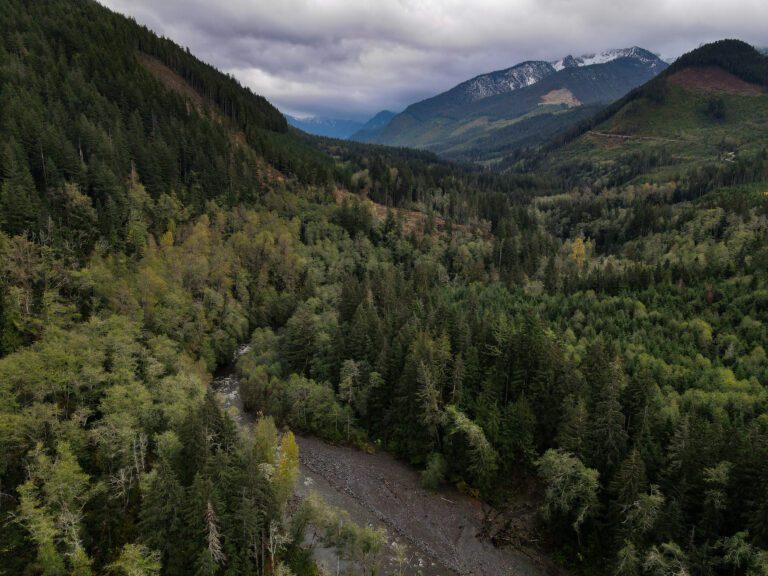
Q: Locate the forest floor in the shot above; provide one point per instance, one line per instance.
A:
(442, 531)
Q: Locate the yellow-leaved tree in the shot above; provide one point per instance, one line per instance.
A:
(579, 251)
(287, 468)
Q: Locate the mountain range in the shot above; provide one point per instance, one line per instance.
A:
(493, 112)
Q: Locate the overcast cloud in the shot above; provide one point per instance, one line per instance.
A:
(352, 58)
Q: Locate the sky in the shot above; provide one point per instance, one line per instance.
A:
(352, 58)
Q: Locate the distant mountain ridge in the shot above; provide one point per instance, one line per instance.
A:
(473, 113)
(371, 129)
(328, 127)
(522, 75)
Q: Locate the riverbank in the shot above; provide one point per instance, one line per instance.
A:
(441, 532)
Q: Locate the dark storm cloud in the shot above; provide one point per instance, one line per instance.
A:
(354, 57)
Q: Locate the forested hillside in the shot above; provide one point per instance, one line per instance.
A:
(708, 110)
(591, 350)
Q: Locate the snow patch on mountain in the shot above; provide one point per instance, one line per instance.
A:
(529, 73)
(639, 54)
(520, 76)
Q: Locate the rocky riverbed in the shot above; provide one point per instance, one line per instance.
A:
(441, 531)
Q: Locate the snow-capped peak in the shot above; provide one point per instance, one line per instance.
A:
(604, 57)
(520, 76)
(529, 73)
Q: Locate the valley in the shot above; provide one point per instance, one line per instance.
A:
(536, 345)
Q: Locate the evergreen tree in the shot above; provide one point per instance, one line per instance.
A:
(572, 436)
(19, 202)
(606, 434)
(161, 515)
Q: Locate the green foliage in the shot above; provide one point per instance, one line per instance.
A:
(334, 529)
(469, 447)
(715, 108)
(668, 559)
(606, 339)
(136, 560)
(571, 487)
(433, 476)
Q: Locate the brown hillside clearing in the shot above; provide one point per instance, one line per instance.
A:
(172, 81)
(713, 79)
(560, 96)
(177, 84)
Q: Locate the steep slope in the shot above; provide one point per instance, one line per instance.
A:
(118, 99)
(483, 86)
(487, 107)
(371, 129)
(326, 127)
(710, 106)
